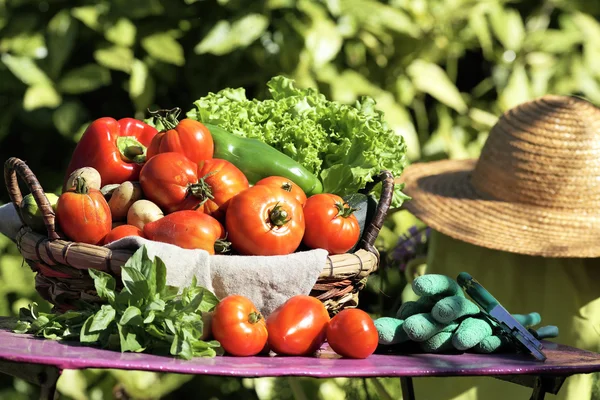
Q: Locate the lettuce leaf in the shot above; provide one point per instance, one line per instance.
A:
(346, 146)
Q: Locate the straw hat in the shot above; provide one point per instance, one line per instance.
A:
(535, 188)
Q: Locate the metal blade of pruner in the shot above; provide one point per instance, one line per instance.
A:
(492, 307)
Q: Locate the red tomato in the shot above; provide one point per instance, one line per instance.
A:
(83, 214)
(222, 181)
(239, 327)
(352, 334)
(187, 229)
(264, 220)
(188, 137)
(298, 327)
(167, 180)
(285, 184)
(330, 224)
(122, 231)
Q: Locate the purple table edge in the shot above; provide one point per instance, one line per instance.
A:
(562, 362)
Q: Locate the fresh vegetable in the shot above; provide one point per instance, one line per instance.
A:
(122, 198)
(265, 220)
(220, 181)
(285, 184)
(330, 224)
(346, 146)
(170, 180)
(83, 214)
(187, 229)
(352, 334)
(239, 327)
(32, 214)
(188, 137)
(122, 231)
(142, 212)
(146, 315)
(91, 175)
(258, 160)
(298, 327)
(116, 149)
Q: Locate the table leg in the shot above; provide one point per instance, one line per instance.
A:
(538, 390)
(541, 384)
(408, 391)
(44, 376)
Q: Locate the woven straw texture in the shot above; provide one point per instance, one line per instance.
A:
(534, 190)
(61, 265)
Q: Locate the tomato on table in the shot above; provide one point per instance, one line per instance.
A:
(298, 327)
(285, 184)
(83, 214)
(121, 231)
(352, 334)
(239, 327)
(188, 229)
(220, 181)
(188, 137)
(330, 224)
(168, 180)
(264, 220)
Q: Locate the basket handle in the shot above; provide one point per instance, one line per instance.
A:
(14, 166)
(371, 232)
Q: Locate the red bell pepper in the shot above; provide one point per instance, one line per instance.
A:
(116, 149)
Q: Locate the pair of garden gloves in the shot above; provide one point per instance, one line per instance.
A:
(443, 320)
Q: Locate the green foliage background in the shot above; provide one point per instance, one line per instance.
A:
(442, 70)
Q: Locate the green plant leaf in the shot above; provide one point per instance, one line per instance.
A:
(164, 47)
(103, 318)
(87, 335)
(517, 90)
(128, 339)
(226, 37)
(27, 44)
(131, 316)
(62, 33)
(104, 284)
(68, 117)
(41, 95)
(90, 15)
(433, 80)
(141, 85)
(508, 27)
(25, 69)
(85, 79)
(121, 33)
(478, 24)
(115, 57)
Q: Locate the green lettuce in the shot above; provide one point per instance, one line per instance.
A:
(346, 146)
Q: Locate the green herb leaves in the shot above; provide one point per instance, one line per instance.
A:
(146, 315)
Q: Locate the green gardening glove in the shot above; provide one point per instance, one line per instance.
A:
(444, 320)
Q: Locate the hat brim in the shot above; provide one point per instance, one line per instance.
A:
(444, 199)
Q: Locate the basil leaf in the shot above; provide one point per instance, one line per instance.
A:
(104, 284)
(131, 316)
(102, 318)
(128, 340)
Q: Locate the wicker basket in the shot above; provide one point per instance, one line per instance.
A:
(61, 265)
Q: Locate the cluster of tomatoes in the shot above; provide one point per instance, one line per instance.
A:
(183, 196)
(297, 328)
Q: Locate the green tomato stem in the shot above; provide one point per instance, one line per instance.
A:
(278, 216)
(81, 186)
(344, 211)
(254, 317)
